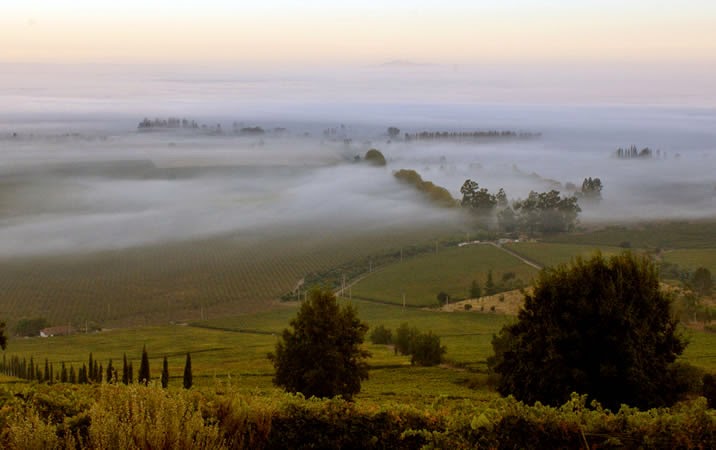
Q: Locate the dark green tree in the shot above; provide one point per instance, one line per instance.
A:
(3, 338)
(73, 376)
(393, 132)
(110, 376)
(490, 287)
(125, 370)
(701, 281)
(144, 376)
(426, 350)
(475, 289)
(478, 200)
(188, 381)
(165, 373)
(404, 337)
(442, 298)
(600, 327)
(381, 335)
(31, 327)
(322, 356)
(130, 373)
(63, 373)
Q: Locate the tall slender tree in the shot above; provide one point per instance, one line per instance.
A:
(125, 370)
(165, 373)
(187, 372)
(143, 376)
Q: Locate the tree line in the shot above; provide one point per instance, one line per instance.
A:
(92, 372)
(465, 135)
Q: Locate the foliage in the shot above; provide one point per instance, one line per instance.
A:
(475, 289)
(426, 350)
(478, 200)
(188, 377)
(165, 373)
(322, 355)
(436, 194)
(442, 298)
(144, 376)
(375, 157)
(591, 189)
(118, 416)
(3, 338)
(599, 327)
(393, 132)
(30, 327)
(547, 212)
(381, 335)
(701, 281)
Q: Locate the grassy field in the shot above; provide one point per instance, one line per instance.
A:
(667, 235)
(551, 254)
(239, 358)
(451, 271)
(692, 259)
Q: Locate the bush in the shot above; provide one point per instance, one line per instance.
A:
(426, 350)
(381, 335)
(375, 157)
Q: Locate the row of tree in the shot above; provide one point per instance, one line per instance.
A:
(424, 349)
(540, 211)
(92, 372)
(463, 135)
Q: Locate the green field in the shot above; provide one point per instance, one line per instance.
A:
(551, 254)
(451, 270)
(692, 259)
(666, 235)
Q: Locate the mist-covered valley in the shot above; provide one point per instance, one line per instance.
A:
(78, 175)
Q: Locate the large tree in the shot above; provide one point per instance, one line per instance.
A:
(600, 327)
(321, 355)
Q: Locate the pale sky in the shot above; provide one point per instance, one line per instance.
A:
(360, 32)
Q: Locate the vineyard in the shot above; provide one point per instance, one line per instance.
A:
(178, 282)
(451, 271)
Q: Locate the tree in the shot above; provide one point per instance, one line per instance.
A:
(701, 281)
(143, 376)
(490, 288)
(165, 373)
(479, 200)
(442, 298)
(188, 379)
(3, 338)
(393, 132)
(426, 350)
(31, 327)
(125, 370)
(404, 337)
(592, 189)
(375, 157)
(381, 335)
(598, 327)
(111, 375)
(322, 355)
(475, 290)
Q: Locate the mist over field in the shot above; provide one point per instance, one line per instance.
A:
(77, 175)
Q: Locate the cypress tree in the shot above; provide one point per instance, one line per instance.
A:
(82, 378)
(100, 371)
(31, 371)
(110, 372)
(165, 373)
(73, 377)
(187, 372)
(130, 373)
(91, 368)
(63, 373)
(143, 376)
(125, 370)
(47, 376)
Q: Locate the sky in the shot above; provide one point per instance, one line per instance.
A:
(346, 32)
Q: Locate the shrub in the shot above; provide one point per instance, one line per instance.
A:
(381, 335)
